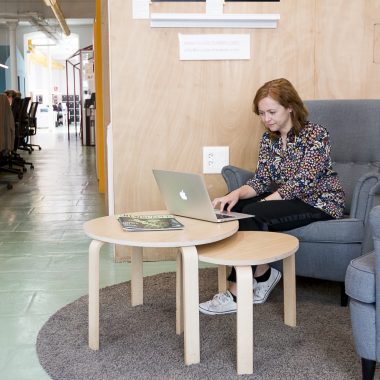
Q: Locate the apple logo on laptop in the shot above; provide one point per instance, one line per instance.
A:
(183, 195)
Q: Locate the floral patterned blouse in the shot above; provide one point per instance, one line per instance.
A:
(303, 170)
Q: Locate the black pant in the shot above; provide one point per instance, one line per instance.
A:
(282, 215)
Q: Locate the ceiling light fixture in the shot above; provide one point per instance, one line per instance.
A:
(4, 66)
(54, 5)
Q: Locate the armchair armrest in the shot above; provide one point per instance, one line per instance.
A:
(235, 177)
(366, 196)
(375, 224)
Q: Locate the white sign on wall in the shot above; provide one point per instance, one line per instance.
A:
(196, 47)
(214, 7)
(89, 70)
(140, 9)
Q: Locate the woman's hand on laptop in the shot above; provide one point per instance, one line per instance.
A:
(230, 200)
(233, 197)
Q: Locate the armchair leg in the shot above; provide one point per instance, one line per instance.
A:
(368, 369)
(343, 295)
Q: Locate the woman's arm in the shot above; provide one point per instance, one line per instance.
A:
(314, 163)
(273, 197)
(261, 180)
(243, 192)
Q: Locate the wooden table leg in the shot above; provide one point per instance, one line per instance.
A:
(93, 294)
(191, 304)
(179, 295)
(222, 278)
(244, 320)
(137, 291)
(290, 313)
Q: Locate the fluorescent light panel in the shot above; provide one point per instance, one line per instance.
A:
(4, 66)
(54, 5)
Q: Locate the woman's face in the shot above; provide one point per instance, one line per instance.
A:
(274, 116)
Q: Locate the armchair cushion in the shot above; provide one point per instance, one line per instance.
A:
(345, 231)
(360, 278)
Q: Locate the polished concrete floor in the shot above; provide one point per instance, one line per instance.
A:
(43, 249)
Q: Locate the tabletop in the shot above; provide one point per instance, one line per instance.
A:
(249, 248)
(196, 232)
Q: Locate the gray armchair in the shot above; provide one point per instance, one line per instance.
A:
(363, 288)
(327, 247)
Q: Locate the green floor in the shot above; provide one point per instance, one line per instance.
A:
(43, 250)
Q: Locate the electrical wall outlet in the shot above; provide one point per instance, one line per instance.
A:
(214, 158)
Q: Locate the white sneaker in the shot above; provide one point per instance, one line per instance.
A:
(261, 290)
(222, 303)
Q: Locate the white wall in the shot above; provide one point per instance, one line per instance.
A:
(85, 33)
(40, 78)
(20, 72)
(4, 35)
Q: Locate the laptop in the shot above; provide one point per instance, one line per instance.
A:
(185, 194)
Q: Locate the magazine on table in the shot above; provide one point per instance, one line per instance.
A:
(164, 222)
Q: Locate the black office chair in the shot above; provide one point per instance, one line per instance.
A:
(19, 110)
(32, 124)
(23, 126)
(16, 108)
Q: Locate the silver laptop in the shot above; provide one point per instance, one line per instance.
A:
(185, 194)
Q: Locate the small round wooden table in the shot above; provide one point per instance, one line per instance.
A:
(196, 232)
(242, 250)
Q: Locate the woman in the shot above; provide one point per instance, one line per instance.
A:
(294, 183)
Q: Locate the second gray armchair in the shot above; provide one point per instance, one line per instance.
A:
(363, 288)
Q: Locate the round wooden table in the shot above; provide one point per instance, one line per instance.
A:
(242, 250)
(196, 232)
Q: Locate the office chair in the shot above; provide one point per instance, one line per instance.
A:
(18, 109)
(23, 122)
(32, 124)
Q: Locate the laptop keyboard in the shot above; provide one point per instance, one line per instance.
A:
(223, 216)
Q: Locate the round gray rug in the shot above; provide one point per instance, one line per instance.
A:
(141, 343)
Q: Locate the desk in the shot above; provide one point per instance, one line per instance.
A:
(107, 230)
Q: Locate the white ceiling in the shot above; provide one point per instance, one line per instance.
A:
(39, 17)
(76, 9)
(36, 13)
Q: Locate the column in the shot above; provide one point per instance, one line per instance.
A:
(12, 25)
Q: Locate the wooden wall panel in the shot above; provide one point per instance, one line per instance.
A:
(164, 110)
(376, 43)
(344, 45)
